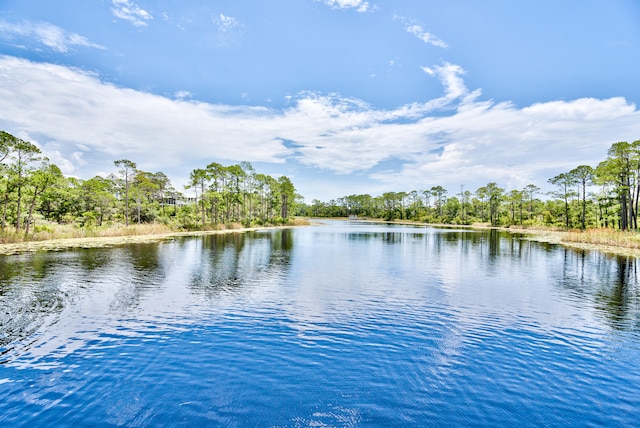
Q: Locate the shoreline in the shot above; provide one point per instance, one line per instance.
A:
(554, 237)
(62, 244)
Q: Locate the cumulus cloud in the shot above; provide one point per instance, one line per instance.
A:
(66, 163)
(358, 5)
(45, 34)
(124, 9)
(485, 142)
(450, 140)
(415, 28)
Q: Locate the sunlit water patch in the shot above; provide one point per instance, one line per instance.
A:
(343, 324)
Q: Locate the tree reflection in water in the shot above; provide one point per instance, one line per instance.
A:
(228, 264)
(619, 297)
(608, 282)
(36, 289)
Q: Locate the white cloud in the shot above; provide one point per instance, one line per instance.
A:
(412, 27)
(67, 166)
(425, 36)
(485, 142)
(229, 31)
(181, 95)
(454, 86)
(71, 106)
(451, 140)
(358, 5)
(226, 23)
(124, 9)
(44, 33)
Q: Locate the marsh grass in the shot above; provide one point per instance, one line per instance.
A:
(537, 228)
(298, 221)
(53, 231)
(46, 231)
(608, 237)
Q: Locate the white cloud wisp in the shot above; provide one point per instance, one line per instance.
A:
(44, 33)
(358, 5)
(412, 27)
(131, 12)
(226, 23)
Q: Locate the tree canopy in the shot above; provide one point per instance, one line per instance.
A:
(34, 190)
(606, 195)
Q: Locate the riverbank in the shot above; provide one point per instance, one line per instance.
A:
(613, 242)
(607, 241)
(62, 244)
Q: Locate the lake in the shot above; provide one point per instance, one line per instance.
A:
(340, 324)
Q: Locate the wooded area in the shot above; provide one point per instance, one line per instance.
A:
(34, 192)
(605, 197)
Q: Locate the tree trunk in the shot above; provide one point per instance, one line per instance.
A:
(30, 216)
(4, 211)
(635, 211)
(629, 213)
(623, 212)
(126, 204)
(584, 203)
(284, 211)
(18, 211)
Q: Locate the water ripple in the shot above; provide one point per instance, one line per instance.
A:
(380, 327)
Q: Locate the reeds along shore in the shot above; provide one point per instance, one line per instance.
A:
(608, 237)
(611, 241)
(55, 231)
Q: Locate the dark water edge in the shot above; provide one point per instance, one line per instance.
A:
(345, 324)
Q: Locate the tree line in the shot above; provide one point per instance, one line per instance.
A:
(606, 196)
(31, 188)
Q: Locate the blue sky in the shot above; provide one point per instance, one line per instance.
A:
(342, 96)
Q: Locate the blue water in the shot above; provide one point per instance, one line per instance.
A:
(341, 324)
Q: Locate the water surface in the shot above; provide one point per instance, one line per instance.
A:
(343, 324)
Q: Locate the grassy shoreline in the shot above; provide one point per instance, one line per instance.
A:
(122, 236)
(607, 241)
